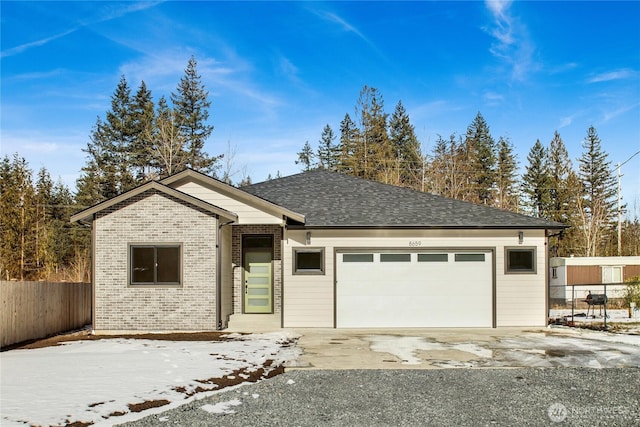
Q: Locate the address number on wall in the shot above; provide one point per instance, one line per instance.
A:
(415, 243)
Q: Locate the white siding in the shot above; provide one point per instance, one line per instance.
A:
(310, 300)
(247, 214)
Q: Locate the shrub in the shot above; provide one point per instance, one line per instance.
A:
(632, 292)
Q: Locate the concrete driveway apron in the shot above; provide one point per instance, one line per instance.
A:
(464, 348)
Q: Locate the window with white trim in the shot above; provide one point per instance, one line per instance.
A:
(155, 265)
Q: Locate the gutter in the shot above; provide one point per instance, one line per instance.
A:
(219, 275)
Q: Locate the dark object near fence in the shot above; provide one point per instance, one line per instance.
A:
(594, 300)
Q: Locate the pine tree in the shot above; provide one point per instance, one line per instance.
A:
(506, 177)
(447, 170)
(406, 149)
(599, 192)
(98, 180)
(17, 220)
(373, 143)
(348, 162)
(327, 155)
(562, 194)
(535, 182)
(191, 104)
(306, 158)
(480, 148)
(120, 129)
(143, 115)
(43, 205)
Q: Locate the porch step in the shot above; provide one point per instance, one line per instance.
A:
(253, 323)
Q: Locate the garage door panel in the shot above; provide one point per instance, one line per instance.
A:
(415, 294)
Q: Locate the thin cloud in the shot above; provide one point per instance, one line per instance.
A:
(512, 45)
(109, 13)
(609, 115)
(346, 26)
(622, 74)
(19, 49)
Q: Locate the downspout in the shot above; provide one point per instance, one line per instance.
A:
(219, 275)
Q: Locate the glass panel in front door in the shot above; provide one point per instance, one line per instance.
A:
(257, 282)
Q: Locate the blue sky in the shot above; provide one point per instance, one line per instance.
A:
(278, 72)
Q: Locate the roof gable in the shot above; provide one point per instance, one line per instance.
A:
(88, 213)
(329, 199)
(191, 176)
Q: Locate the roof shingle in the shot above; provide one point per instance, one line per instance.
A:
(329, 199)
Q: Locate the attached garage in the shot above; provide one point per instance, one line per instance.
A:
(435, 288)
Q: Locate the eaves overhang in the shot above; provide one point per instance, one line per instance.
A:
(233, 192)
(88, 214)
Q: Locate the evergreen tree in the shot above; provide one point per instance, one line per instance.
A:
(535, 182)
(64, 238)
(348, 162)
(98, 180)
(562, 195)
(306, 158)
(191, 105)
(328, 155)
(120, 130)
(480, 148)
(406, 149)
(17, 220)
(43, 206)
(599, 192)
(373, 143)
(506, 177)
(143, 115)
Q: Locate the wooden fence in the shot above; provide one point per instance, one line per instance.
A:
(32, 310)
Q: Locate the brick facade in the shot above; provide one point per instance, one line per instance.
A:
(261, 229)
(154, 218)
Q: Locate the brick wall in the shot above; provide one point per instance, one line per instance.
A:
(154, 217)
(262, 229)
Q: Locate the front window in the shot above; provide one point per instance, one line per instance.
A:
(520, 260)
(155, 264)
(308, 260)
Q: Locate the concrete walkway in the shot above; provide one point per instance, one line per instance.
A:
(464, 348)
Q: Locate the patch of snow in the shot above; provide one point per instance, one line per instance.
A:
(90, 380)
(255, 395)
(405, 348)
(222, 408)
(290, 382)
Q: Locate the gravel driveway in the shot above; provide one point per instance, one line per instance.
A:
(461, 397)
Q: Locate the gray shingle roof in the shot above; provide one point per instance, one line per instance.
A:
(329, 199)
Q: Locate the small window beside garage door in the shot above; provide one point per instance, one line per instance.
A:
(308, 260)
(520, 260)
(433, 257)
(469, 257)
(395, 257)
(357, 257)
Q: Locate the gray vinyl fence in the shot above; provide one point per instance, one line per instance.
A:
(33, 310)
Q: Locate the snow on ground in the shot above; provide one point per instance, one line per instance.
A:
(580, 315)
(42, 386)
(557, 347)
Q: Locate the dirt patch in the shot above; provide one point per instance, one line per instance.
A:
(86, 335)
(139, 407)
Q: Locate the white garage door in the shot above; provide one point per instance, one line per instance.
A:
(405, 289)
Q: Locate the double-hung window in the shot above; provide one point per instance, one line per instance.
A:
(156, 265)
